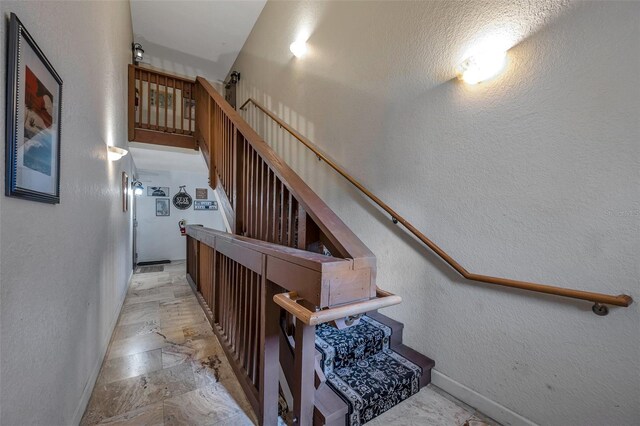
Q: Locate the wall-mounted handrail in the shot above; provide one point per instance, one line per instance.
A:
(597, 298)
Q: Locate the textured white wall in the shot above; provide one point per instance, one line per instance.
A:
(159, 236)
(533, 176)
(65, 268)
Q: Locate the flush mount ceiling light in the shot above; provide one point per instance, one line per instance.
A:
(298, 48)
(138, 52)
(481, 67)
(114, 153)
(137, 187)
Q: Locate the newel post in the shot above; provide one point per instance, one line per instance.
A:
(304, 374)
(269, 350)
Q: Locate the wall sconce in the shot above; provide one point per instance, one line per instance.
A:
(298, 48)
(234, 78)
(481, 67)
(138, 52)
(114, 153)
(137, 187)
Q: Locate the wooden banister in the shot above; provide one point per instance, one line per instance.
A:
(240, 158)
(597, 298)
(288, 302)
(156, 116)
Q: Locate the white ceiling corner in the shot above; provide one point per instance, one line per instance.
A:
(212, 30)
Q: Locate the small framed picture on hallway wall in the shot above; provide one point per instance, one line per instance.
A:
(34, 112)
(163, 206)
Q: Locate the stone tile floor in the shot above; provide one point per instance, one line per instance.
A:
(164, 366)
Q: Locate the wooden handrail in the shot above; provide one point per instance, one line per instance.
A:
(288, 302)
(597, 298)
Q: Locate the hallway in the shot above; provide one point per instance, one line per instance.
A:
(164, 366)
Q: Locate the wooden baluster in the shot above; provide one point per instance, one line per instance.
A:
(256, 325)
(245, 191)
(157, 99)
(234, 168)
(223, 293)
(166, 104)
(173, 98)
(232, 304)
(238, 320)
(182, 101)
(254, 199)
(252, 337)
(261, 201)
(284, 208)
(214, 284)
(276, 210)
(187, 97)
(269, 204)
(244, 316)
(148, 101)
(292, 220)
(140, 98)
(302, 228)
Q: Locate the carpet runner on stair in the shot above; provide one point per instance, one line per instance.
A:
(362, 369)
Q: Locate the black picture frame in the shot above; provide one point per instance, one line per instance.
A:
(31, 170)
(163, 202)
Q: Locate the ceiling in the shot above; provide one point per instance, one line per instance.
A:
(159, 158)
(212, 30)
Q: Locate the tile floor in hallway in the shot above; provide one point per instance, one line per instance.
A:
(164, 366)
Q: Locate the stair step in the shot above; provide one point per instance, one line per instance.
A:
(340, 348)
(375, 384)
(368, 368)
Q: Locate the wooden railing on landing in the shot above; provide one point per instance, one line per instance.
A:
(161, 108)
(599, 299)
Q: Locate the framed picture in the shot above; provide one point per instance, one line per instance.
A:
(157, 191)
(201, 194)
(125, 192)
(34, 112)
(205, 205)
(162, 207)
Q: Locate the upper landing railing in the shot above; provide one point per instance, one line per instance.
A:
(600, 300)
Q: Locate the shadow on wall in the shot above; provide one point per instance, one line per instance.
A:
(184, 64)
(371, 165)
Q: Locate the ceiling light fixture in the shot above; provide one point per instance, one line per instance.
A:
(114, 153)
(481, 67)
(298, 48)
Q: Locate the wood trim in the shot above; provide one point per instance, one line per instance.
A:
(131, 102)
(166, 139)
(620, 300)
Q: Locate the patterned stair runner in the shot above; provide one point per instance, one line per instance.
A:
(362, 369)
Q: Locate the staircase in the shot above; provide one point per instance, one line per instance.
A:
(290, 286)
(369, 368)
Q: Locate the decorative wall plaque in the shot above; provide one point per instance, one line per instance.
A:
(182, 200)
(201, 194)
(205, 205)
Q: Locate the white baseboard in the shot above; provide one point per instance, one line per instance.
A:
(88, 389)
(480, 402)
